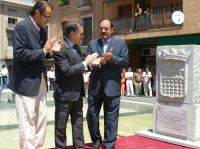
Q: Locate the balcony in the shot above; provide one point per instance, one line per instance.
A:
(10, 26)
(158, 18)
(84, 5)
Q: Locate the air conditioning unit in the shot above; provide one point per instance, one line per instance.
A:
(148, 51)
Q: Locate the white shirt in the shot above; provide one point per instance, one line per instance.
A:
(129, 75)
(38, 28)
(4, 71)
(105, 45)
(51, 74)
(147, 76)
(86, 76)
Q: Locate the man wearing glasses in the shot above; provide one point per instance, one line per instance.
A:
(30, 48)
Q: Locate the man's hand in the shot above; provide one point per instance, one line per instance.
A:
(103, 61)
(48, 45)
(96, 62)
(57, 46)
(106, 57)
(90, 58)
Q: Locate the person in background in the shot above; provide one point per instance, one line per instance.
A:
(138, 82)
(129, 83)
(147, 19)
(147, 82)
(137, 19)
(86, 76)
(105, 85)
(123, 82)
(69, 86)
(1, 82)
(29, 81)
(4, 76)
(51, 77)
(153, 81)
(138, 10)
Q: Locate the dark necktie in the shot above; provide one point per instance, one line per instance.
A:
(43, 37)
(76, 49)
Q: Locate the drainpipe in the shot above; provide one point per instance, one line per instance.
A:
(102, 9)
(2, 31)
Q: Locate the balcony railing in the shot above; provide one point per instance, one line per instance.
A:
(84, 5)
(158, 18)
(87, 38)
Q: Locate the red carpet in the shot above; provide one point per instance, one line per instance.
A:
(137, 142)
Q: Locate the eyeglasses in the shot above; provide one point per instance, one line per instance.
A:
(49, 17)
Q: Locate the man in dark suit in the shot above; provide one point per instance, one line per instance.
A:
(29, 74)
(69, 89)
(104, 85)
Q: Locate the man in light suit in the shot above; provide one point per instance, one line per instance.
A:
(29, 74)
(104, 85)
(69, 86)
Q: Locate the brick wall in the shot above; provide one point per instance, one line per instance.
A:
(101, 10)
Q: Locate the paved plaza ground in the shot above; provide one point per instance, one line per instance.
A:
(135, 115)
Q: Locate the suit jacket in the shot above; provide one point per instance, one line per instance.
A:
(109, 75)
(69, 75)
(28, 58)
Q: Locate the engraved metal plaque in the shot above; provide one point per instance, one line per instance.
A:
(172, 120)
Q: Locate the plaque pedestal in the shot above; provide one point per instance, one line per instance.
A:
(180, 121)
(177, 105)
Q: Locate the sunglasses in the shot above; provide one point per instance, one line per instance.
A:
(49, 17)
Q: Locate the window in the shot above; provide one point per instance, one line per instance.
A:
(12, 12)
(66, 2)
(12, 20)
(146, 52)
(9, 35)
(87, 26)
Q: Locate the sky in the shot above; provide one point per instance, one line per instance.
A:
(29, 1)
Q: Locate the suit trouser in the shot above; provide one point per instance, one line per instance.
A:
(51, 83)
(111, 116)
(62, 112)
(31, 114)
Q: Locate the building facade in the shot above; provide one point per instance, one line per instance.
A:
(11, 12)
(153, 27)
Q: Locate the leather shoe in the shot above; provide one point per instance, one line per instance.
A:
(108, 148)
(103, 147)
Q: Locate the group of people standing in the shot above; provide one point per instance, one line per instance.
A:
(105, 58)
(138, 83)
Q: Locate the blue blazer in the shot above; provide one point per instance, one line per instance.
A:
(69, 75)
(28, 58)
(109, 75)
